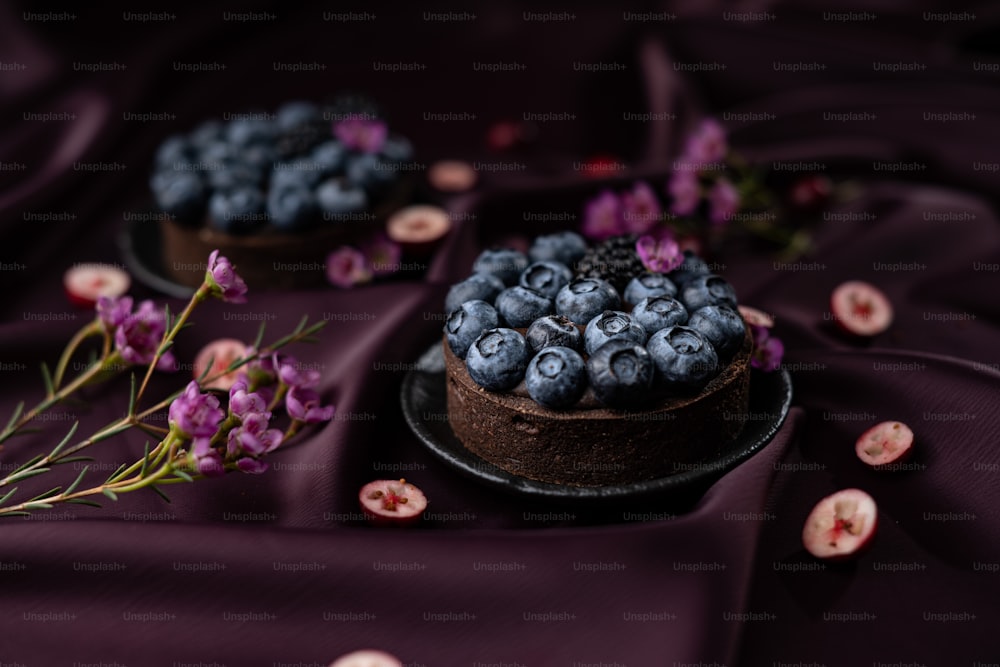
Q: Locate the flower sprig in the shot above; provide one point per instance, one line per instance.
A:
(203, 439)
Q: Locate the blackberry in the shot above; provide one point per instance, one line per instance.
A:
(614, 260)
(302, 137)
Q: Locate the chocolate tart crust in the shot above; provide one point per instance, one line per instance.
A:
(591, 445)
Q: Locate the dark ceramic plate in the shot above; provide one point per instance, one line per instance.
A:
(424, 405)
(141, 246)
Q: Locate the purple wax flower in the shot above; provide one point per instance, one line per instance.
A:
(113, 311)
(252, 466)
(685, 192)
(361, 134)
(347, 267)
(195, 414)
(139, 335)
(224, 281)
(707, 145)
(603, 217)
(767, 350)
(659, 256)
(723, 202)
(253, 437)
(207, 459)
(382, 255)
(303, 404)
(290, 372)
(243, 402)
(641, 209)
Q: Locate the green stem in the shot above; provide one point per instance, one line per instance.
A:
(94, 328)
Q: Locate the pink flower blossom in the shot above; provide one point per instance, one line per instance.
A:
(223, 279)
(195, 414)
(382, 255)
(641, 209)
(603, 217)
(707, 145)
(659, 256)
(361, 134)
(139, 334)
(347, 267)
(767, 350)
(723, 202)
(685, 192)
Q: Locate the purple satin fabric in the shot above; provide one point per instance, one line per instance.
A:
(278, 568)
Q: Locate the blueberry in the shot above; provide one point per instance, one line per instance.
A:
(646, 285)
(180, 194)
(722, 326)
(692, 267)
(659, 312)
(556, 377)
(259, 156)
(553, 331)
(295, 113)
(303, 171)
(584, 298)
(707, 290)
(175, 149)
(609, 325)
(563, 247)
(396, 149)
(497, 359)
(546, 277)
(684, 358)
(330, 156)
(338, 198)
(215, 154)
(208, 132)
(520, 306)
(621, 374)
(231, 174)
(292, 207)
(465, 324)
(370, 171)
(482, 286)
(505, 263)
(237, 211)
(244, 132)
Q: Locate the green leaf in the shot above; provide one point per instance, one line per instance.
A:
(83, 501)
(145, 461)
(260, 336)
(166, 317)
(302, 325)
(160, 493)
(50, 388)
(131, 397)
(114, 476)
(183, 475)
(30, 462)
(25, 474)
(76, 482)
(18, 411)
(48, 494)
(38, 506)
(110, 494)
(72, 459)
(208, 367)
(65, 440)
(7, 495)
(19, 513)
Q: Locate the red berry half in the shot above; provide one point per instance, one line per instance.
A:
(810, 193)
(452, 176)
(220, 353)
(861, 308)
(418, 228)
(367, 658)
(85, 283)
(392, 502)
(840, 525)
(888, 442)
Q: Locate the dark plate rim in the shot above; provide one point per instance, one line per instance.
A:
(773, 389)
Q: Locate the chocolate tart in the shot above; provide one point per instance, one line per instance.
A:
(592, 445)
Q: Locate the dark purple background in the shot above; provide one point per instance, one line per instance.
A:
(490, 579)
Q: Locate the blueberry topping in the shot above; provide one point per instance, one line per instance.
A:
(556, 377)
(520, 306)
(482, 286)
(546, 277)
(722, 326)
(563, 247)
(237, 211)
(584, 298)
(304, 172)
(505, 263)
(707, 290)
(554, 331)
(330, 156)
(647, 285)
(497, 359)
(244, 132)
(692, 267)
(659, 312)
(370, 171)
(295, 113)
(609, 325)
(174, 150)
(684, 358)
(180, 194)
(621, 374)
(291, 207)
(466, 323)
(396, 149)
(338, 198)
